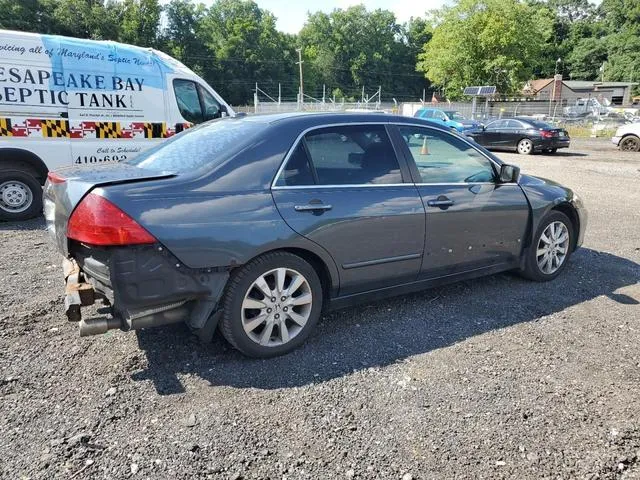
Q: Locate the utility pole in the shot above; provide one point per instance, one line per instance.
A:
(299, 62)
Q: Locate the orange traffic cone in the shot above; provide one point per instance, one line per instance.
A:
(424, 150)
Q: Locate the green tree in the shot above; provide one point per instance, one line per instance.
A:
(140, 22)
(495, 42)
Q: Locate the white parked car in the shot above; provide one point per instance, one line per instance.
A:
(627, 137)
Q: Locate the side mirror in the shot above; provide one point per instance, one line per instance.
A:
(509, 173)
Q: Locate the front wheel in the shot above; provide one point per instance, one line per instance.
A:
(271, 305)
(20, 195)
(550, 249)
(525, 147)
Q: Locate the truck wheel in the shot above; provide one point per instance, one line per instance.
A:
(20, 195)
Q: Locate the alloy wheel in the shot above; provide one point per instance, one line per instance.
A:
(15, 196)
(276, 307)
(525, 146)
(630, 144)
(553, 247)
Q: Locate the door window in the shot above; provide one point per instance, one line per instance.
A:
(443, 158)
(349, 155)
(498, 124)
(515, 124)
(439, 115)
(195, 103)
(211, 106)
(188, 100)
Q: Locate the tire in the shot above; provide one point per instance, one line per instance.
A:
(535, 267)
(258, 332)
(525, 147)
(630, 143)
(20, 195)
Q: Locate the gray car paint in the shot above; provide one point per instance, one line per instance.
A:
(227, 215)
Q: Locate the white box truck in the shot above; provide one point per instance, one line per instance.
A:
(69, 101)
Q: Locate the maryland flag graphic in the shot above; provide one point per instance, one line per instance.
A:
(108, 130)
(5, 127)
(55, 128)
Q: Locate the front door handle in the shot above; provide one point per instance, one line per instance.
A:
(440, 202)
(312, 207)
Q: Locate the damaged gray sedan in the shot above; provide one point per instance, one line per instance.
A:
(256, 225)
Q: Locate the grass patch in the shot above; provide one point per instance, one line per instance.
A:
(586, 132)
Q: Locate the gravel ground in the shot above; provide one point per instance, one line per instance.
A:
(493, 378)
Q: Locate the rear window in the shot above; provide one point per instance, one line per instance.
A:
(539, 124)
(208, 144)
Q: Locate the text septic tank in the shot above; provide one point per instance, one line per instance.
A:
(69, 80)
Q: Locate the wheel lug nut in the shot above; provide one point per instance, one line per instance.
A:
(273, 299)
(285, 309)
(283, 299)
(277, 315)
(268, 310)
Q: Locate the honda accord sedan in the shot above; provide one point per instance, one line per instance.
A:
(524, 135)
(256, 225)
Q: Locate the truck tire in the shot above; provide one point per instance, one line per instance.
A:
(20, 195)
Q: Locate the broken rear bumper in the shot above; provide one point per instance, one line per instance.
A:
(140, 287)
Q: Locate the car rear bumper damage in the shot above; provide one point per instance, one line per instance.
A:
(140, 287)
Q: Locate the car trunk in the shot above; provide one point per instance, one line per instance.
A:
(67, 187)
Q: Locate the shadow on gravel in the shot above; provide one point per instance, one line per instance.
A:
(33, 224)
(388, 331)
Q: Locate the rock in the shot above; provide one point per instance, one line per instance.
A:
(500, 463)
(89, 462)
(532, 457)
(82, 437)
(351, 473)
(407, 476)
(190, 421)
(134, 468)
(236, 476)
(111, 392)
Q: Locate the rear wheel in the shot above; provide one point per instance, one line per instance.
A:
(630, 143)
(525, 147)
(20, 195)
(550, 249)
(271, 305)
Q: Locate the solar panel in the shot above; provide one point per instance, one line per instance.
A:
(487, 90)
(480, 91)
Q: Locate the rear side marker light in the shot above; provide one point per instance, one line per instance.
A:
(97, 221)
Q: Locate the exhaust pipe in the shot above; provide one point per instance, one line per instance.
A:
(97, 326)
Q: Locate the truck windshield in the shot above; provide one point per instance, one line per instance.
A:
(208, 144)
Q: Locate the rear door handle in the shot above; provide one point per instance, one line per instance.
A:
(312, 207)
(440, 202)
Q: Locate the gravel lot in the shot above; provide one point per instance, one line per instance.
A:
(493, 378)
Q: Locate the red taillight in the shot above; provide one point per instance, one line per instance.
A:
(97, 221)
(55, 178)
(546, 134)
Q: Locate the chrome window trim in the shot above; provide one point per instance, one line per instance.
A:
(368, 185)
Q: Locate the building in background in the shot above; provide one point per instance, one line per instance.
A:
(568, 91)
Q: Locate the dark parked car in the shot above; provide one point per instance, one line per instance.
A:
(523, 135)
(258, 224)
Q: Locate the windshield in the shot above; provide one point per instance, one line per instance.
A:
(208, 144)
(454, 115)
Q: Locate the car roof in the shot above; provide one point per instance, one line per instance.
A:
(311, 119)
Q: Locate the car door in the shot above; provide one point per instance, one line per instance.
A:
(493, 134)
(344, 188)
(472, 220)
(512, 133)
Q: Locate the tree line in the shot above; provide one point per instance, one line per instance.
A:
(233, 44)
